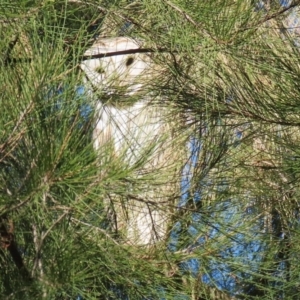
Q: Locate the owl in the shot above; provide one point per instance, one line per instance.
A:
(134, 127)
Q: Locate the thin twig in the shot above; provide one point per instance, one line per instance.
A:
(29, 107)
(96, 228)
(129, 51)
(190, 19)
(269, 17)
(280, 12)
(38, 261)
(52, 226)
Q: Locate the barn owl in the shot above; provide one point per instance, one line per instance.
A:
(134, 127)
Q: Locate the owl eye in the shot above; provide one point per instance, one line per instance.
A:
(129, 61)
(99, 70)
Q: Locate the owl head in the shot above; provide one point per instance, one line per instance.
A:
(111, 73)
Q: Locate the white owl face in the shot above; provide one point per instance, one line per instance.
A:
(112, 72)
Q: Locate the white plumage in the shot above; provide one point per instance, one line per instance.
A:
(133, 127)
(117, 70)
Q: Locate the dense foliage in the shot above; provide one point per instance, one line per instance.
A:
(230, 69)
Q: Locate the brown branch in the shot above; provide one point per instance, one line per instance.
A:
(8, 243)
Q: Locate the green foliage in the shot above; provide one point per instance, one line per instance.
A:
(225, 68)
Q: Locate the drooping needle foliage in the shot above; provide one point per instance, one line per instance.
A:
(230, 74)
